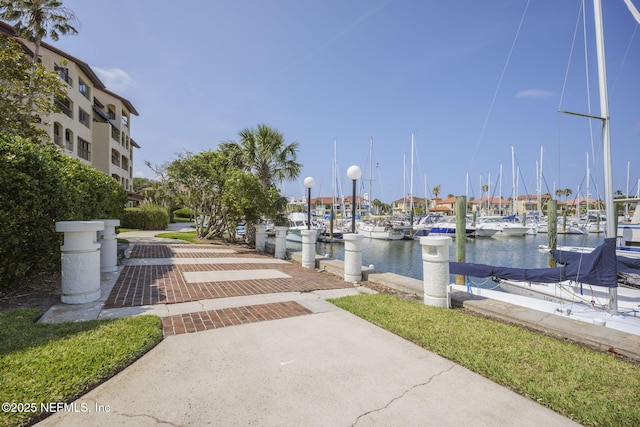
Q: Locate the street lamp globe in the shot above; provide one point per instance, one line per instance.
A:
(309, 182)
(354, 172)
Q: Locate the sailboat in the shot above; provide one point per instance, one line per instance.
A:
(600, 266)
(382, 230)
(332, 234)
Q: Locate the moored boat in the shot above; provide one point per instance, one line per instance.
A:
(448, 228)
(379, 231)
(297, 223)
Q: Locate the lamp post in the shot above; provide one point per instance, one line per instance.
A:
(309, 182)
(354, 174)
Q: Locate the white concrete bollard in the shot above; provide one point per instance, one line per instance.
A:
(108, 245)
(352, 257)
(261, 237)
(435, 266)
(281, 242)
(309, 248)
(80, 261)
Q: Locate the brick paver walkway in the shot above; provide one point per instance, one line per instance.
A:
(163, 282)
(203, 320)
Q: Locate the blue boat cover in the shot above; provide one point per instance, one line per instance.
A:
(624, 264)
(628, 265)
(597, 268)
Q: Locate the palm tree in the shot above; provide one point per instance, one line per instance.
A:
(263, 151)
(436, 190)
(37, 19)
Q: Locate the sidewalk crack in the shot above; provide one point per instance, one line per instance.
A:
(402, 394)
(156, 420)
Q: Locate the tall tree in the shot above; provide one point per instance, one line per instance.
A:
(36, 19)
(263, 151)
(223, 195)
(27, 92)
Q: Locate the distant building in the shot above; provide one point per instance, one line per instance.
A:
(94, 124)
(491, 206)
(404, 205)
(444, 207)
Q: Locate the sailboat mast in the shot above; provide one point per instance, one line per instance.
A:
(514, 198)
(588, 178)
(612, 232)
(333, 189)
(540, 186)
(370, 176)
(604, 114)
(500, 189)
(411, 182)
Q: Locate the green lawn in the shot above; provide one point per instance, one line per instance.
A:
(592, 388)
(42, 363)
(189, 236)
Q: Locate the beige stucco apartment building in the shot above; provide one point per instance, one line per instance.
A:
(94, 124)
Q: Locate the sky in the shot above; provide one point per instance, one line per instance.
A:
(477, 84)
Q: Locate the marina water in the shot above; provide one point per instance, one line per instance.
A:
(404, 257)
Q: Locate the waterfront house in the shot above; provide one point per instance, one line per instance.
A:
(444, 207)
(490, 206)
(403, 205)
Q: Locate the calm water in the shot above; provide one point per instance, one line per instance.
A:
(404, 257)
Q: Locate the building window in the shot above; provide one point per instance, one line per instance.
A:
(84, 117)
(65, 105)
(84, 149)
(125, 163)
(57, 134)
(63, 73)
(115, 158)
(111, 113)
(83, 88)
(68, 139)
(125, 120)
(115, 133)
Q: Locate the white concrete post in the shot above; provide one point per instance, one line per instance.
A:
(108, 245)
(309, 248)
(80, 261)
(281, 242)
(352, 257)
(261, 237)
(435, 266)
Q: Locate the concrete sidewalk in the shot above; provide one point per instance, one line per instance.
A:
(223, 363)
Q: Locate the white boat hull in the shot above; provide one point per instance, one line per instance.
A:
(486, 231)
(517, 231)
(380, 232)
(568, 291)
(575, 311)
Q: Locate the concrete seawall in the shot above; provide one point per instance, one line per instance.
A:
(592, 336)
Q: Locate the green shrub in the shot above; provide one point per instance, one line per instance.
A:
(132, 218)
(95, 194)
(182, 213)
(147, 217)
(155, 217)
(32, 197)
(38, 187)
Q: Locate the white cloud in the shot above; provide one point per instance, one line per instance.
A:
(534, 93)
(115, 79)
